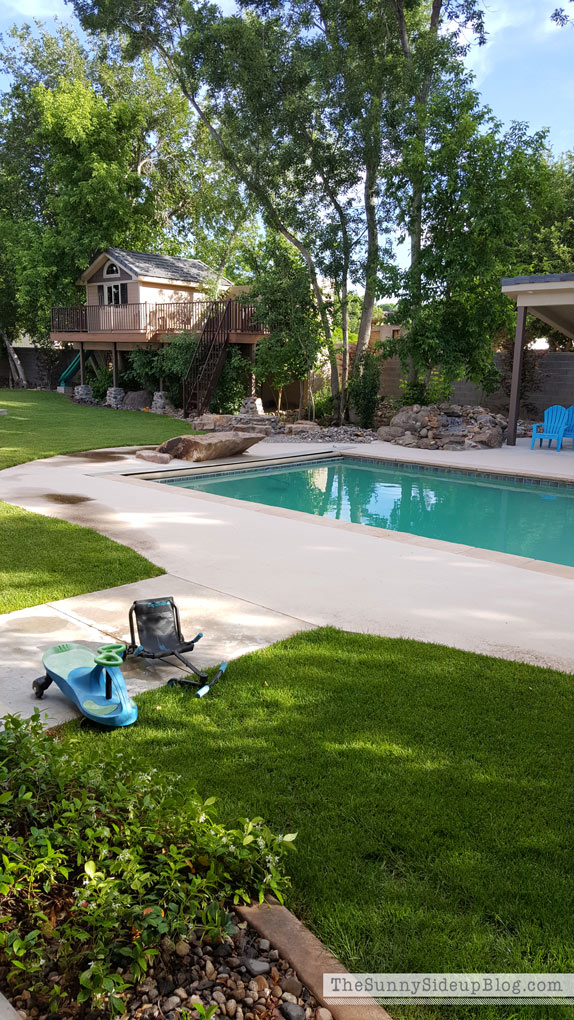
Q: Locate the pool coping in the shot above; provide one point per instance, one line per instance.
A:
(147, 478)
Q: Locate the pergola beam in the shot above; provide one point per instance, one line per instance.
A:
(514, 406)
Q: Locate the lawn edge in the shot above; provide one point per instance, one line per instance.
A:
(306, 954)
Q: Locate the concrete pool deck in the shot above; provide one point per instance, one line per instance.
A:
(247, 577)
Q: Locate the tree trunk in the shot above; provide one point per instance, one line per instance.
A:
(372, 264)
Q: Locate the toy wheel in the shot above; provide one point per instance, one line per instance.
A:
(171, 683)
(40, 685)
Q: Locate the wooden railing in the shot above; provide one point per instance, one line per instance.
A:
(146, 318)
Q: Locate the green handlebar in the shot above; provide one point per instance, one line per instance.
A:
(110, 655)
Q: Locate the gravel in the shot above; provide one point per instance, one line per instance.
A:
(244, 977)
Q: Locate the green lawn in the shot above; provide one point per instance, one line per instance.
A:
(44, 424)
(42, 559)
(431, 790)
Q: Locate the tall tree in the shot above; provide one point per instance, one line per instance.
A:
(95, 152)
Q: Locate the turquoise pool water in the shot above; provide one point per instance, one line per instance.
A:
(536, 521)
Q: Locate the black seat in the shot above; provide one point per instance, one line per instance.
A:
(159, 633)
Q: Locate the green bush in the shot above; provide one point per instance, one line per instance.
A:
(100, 862)
(170, 365)
(232, 384)
(323, 405)
(434, 389)
(100, 380)
(364, 387)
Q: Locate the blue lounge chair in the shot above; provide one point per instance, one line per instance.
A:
(569, 430)
(554, 426)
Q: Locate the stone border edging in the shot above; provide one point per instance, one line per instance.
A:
(306, 954)
(7, 1011)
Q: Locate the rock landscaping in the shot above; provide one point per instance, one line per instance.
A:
(447, 427)
(242, 978)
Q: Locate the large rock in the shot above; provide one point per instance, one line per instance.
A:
(137, 400)
(490, 437)
(389, 432)
(153, 456)
(220, 444)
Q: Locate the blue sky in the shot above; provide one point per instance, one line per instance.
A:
(525, 71)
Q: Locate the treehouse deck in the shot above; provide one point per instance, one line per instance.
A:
(215, 324)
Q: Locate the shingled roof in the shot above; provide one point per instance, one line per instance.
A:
(166, 267)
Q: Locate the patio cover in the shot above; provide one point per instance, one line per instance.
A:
(551, 299)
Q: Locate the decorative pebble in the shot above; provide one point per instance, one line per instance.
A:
(291, 1011)
(257, 967)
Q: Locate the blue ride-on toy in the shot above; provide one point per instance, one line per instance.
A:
(92, 680)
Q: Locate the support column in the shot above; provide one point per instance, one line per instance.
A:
(514, 405)
(115, 395)
(83, 392)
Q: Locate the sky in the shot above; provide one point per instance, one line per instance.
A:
(524, 72)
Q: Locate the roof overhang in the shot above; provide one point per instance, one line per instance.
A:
(550, 298)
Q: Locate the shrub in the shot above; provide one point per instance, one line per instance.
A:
(432, 389)
(100, 862)
(100, 380)
(364, 387)
(232, 384)
(323, 401)
(170, 364)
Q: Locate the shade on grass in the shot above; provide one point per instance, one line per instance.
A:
(431, 790)
(42, 559)
(42, 424)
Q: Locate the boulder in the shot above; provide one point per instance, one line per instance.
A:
(213, 447)
(153, 456)
(136, 400)
(491, 437)
(389, 432)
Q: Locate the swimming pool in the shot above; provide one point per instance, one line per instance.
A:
(488, 512)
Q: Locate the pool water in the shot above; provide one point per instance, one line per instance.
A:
(536, 521)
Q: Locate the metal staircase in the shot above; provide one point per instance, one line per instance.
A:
(208, 359)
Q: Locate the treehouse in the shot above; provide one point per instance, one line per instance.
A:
(134, 299)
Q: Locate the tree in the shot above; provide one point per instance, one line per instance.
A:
(480, 193)
(97, 152)
(285, 304)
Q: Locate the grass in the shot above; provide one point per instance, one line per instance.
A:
(45, 559)
(42, 424)
(431, 790)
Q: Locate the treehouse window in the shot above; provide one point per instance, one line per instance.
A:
(113, 294)
(112, 269)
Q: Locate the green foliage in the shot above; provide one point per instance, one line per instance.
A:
(285, 304)
(168, 365)
(432, 388)
(100, 379)
(99, 863)
(364, 387)
(96, 151)
(323, 401)
(232, 383)
(482, 190)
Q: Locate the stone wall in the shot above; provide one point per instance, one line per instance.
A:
(556, 385)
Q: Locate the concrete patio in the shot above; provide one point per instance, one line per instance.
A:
(247, 575)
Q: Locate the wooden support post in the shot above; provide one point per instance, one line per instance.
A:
(114, 365)
(514, 405)
(82, 365)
